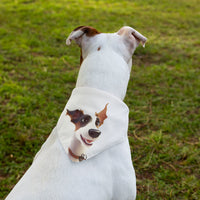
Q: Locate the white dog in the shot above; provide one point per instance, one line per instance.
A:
(87, 155)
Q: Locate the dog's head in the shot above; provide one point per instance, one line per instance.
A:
(124, 42)
(87, 126)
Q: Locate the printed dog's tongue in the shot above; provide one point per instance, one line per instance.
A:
(89, 141)
(86, 141)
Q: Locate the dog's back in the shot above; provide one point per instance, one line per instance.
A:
(53, 175)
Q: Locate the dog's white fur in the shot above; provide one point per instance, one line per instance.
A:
(107, 61)
(111, 72)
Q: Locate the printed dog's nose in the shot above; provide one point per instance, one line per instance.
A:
(94, 133)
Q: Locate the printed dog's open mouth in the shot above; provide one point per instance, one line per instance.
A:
(86, 141)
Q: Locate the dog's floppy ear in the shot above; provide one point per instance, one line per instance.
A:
(129, 33)
(75, 115)
(78, 33)
(102, 115)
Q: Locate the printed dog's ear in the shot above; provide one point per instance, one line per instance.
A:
(78, 33)
(102, 115)
(75, 115)
(129, 33)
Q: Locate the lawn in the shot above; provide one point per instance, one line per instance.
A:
(38, 72)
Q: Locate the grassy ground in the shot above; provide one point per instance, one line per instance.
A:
(38, 73)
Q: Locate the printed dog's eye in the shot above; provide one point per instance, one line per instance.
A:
(97, 123)
(86, 119)
(83, 120)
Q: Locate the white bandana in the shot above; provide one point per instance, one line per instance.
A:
(91, 122)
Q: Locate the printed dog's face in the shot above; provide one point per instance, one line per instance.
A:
(87, 126)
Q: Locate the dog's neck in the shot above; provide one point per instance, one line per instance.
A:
(100, 72)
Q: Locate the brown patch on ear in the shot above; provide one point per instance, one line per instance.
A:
(79, 27)
(102, 115)
(81, 58)
(88, 30)
(75, 115)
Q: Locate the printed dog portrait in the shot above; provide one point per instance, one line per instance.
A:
(85, 133)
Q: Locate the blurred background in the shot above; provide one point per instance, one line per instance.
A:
(38, 72)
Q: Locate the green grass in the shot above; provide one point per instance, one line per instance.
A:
(38, 73)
